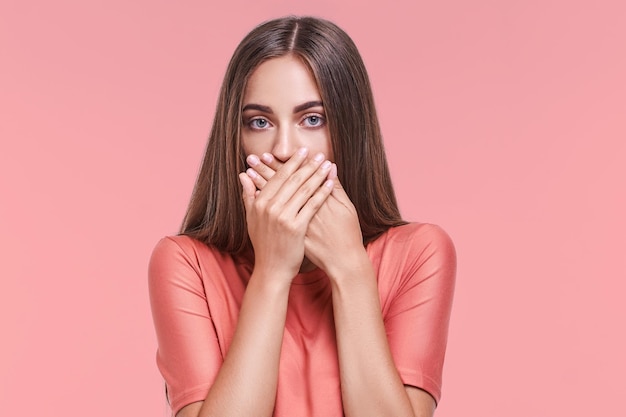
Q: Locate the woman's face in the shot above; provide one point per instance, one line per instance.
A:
(283, 111)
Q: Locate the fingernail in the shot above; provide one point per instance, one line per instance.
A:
(251, 173)
(267, 158)
(253, 160)
(329, 184)
(302, 151)
(319, 157)
(326, 165)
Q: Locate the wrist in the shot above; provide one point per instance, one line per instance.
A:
(270, 283)
(354, 266)
(271, 271)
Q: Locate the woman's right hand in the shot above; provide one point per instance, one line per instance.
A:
(278, 215)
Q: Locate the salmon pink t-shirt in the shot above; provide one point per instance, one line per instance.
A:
(196, 293)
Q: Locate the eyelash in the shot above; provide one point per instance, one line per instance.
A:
(322, 121)
(256, 119)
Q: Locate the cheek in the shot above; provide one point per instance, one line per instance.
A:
(317, 141)
(330, 154)
(329, 146)
(250, 146)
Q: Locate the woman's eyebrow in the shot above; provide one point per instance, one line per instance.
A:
(297, 109)
(259, 107)
(307, 105)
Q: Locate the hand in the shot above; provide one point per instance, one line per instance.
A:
(278, 215)
(333, 239)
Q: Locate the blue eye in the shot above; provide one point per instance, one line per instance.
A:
(258, 123)
(314, 120)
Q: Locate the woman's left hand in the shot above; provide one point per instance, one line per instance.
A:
(333, 240)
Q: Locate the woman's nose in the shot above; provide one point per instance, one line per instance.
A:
(285, 144)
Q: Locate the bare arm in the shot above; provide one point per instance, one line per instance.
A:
(246, 382)
(370, 383)
(277, 220)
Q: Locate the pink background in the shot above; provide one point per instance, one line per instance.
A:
(504, 123)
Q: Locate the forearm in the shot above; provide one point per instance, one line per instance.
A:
(370, 383)
(246, 383)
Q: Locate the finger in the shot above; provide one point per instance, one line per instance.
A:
(270, 161)
(258, 180)
(333, 172)
(306, 190)
(338, 187)
(300, 181)
(249, 190)
(316, 201)
(338, 191)
(261, 168)
(281, 176)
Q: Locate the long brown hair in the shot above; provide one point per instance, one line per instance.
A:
(216, 213)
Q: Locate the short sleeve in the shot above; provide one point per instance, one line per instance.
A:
(188, 353)
(417, 318)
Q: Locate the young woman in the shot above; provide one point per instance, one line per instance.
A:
(295, 288)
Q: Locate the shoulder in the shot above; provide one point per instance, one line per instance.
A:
(175, 249)
(415, 252)
(417, 237)
(179, 258)
(176, 243)
(185, 257)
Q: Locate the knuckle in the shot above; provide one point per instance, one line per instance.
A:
(282, 174)
(263, 170)
(306, 189)
(320, 173)
(260, 204)
(282, 220)
(288, 225)
(295, 178)
(317, 200)
(314, 163)
(299, 226)
(273, 209)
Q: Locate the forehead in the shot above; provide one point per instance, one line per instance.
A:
(281, 81)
